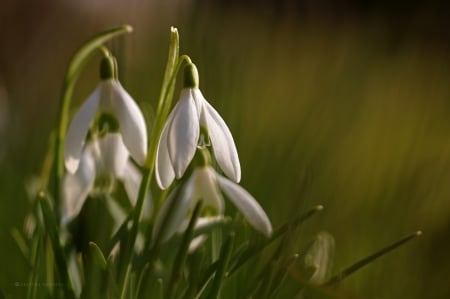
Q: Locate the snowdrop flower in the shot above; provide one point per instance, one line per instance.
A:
(105, 158)
(183, 131)
(111, 98)
(204, 184)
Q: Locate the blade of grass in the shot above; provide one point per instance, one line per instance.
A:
(34, 258)
(221, 272)
(369, 259)
(17, 236)
(180, 258)
(253, 249)
(51, 228)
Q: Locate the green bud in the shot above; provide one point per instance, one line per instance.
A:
(190, 76)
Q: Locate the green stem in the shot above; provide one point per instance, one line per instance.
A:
(221, 272)
(126, 260)
(156, 241)
(180, 259)
(164, 103)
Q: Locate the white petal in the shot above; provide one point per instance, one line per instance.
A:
(77, 186)
(113, 155)
(131, 122)
(164, 172)
(183, 134)
(196, 243)
(222, 141)
(206, 188)
(248, 205)
(78, 130)
(178, 210)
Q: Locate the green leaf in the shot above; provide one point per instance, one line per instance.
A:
(165, 98)
(20, 242)
(34, 259)
(222, 265)
(369, 259)
(243, 255)
(278, 279)
(206, 278)
(182, 253)
(313, 292)
(51, 227)
(97, 256)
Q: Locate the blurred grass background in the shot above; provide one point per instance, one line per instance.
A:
(345, 105)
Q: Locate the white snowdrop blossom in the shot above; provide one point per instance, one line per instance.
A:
(106, 157)
(204, 184)
(111, 98)
(182, 134)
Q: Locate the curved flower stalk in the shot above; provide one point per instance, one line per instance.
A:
(111, 98)
(192, 119)
(204, 184)
(104, 158)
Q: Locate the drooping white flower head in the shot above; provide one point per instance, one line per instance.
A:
(109, 97)
(204, 184)
(182, 133)
(103, 157)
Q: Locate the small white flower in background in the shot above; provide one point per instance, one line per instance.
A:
(204, 184)
(320, 257)
(106, 157)
(202, 225)
(111, 98)
(181, 135)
